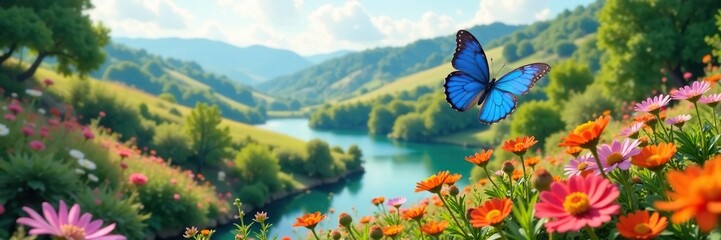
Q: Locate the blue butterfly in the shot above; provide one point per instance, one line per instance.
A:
(472, 84)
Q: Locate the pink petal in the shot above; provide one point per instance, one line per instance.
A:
(63, 214)
(102, 232)
(51, 216)
(549, 211)
(74, 214)
(110, 237)
(93, 226)
(84, 220)
(41, 231)
(33, 223)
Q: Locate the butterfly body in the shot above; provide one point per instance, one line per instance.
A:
(472, 85)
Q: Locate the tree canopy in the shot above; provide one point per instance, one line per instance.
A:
(209, 140)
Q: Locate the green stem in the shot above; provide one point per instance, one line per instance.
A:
(314, 234)
(419, 229)
(625, 180)
(700, 126)
(660, 123)
(598, 162)
(525, 182)
(510, 180)
(500, 232)
(590, 232)
(715, 122)
(445, 204)
(490, 178)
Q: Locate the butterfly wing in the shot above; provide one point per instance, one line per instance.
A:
(470, 57)
(501, 100)
(462, 90)
(520, 80)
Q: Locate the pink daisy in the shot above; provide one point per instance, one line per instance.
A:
(577, 203)
(632, 130)
(15, 107)
(679, 120)
(691, 92)
(582, 165)
(36, 145)
(67, 225)
(617, 154)
(711, 100)
(138, 179)
(653, 103)
(396, 202)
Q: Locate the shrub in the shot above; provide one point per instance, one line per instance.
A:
(255, 194)
(171, 143)
(168, 97)
(320, 161)
(509, 52)
(380, 120)
(104, 204)
(538, 119)
(356, 157)
(564, 49)
(290, 161)
(409, 127)
(256, 164)
(586, 106)
(525, 49)
(566, 78)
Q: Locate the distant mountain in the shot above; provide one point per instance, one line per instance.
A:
(364, 71)
(248, 65)
(319, 58)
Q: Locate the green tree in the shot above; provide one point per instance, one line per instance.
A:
(356, 157)
(509, 52)
(171, 143)
(525, 49)
(582, 107)
(642, 37)
(567, 77)
(715, 40)
(168, 97)
(21, 27)
(538, 119)
(320, 161)
(75, 41)
(564, 49)
(409, 127)
(208, 139)
(381, 120)
(256, 164)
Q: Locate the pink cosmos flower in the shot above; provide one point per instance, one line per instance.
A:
(653, 103)
(679, 120)
(577, 203)
(48, 82)
(687, 75)
(15, 107)
(9, 117)
(712, 99)
(396, 202)
(66, 224)
(138, 179)
(44, 131)
(632, 130)
(691, 92)
(28, 131)
(176, 197)
(618, 154)
(36, 145)
(88, 134)
(53, 122)
(582, 165)
(123, 153)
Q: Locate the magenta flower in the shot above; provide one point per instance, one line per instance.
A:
(48, 82)
(88, 134)
(138, 179)
(67, 225)
(582, 165)
(679, 120)
(577, 203)
(711, 100)
(632, 130)
(36, 145)
(15, 107)
(691, 92)
(9, 117)
(653, 104)
(28, 131)
(687, 75)
(396, 202)
(618, 154)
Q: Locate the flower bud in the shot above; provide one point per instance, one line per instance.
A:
(508, 167)
(345, 220)
(542, 180)
(335, 235)
(376, 232)
(453, 190)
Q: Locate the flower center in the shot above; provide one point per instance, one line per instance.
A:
(71, 232)
(641, 228)
(582, 166)
(519, 146)
(583, 127)
(654, 159)
(493, 214)
(614, 158)
(576, 203)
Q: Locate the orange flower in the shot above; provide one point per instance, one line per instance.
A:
(415, 213)
(517, 174)
(519, 145)
(366, 219)
(607, 113)
(654, 156)
(696, 194)
(557, 178)
(713, 78)
(378, 200)
(574, 151)
(480, 158)
(532, 161)
(706, 58)
(483, 182)
(309, 220)
(393, 230)
(452, 179)
(586, 135)
(491, 213)
(433, 228)
(205, 232)
(639, 225)
(434, 183)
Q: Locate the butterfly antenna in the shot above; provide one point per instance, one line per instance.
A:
(499, 70)
(492, 64)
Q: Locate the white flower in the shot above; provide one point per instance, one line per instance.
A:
(87, 164)
(41, 111)
(33, 92)
(4, 131)
(77, 154)
(92, 177)
(14, 95)
(221, 176)
(79, 171)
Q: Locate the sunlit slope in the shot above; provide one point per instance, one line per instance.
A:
(162, 108)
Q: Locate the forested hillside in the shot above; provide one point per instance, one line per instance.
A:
(358, 73)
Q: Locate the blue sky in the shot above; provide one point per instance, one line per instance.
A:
(315, 26)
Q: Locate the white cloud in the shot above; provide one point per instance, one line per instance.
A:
(347, 22)
(402, 31)
(274, 12)
(511, 11)
(138, 18)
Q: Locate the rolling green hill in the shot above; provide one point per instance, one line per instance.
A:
(371, 69)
